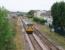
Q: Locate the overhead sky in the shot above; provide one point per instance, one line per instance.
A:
(26, 5)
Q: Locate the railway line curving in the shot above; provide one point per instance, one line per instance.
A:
(37, 41)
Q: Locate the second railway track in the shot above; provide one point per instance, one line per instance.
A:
(46, 41)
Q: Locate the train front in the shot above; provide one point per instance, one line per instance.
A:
(29, 29)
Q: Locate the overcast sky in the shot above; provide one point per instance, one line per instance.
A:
(26, 5)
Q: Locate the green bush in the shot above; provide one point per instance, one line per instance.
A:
(38, 20)
(5, 30)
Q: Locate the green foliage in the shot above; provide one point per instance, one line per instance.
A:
(30, 13)
(5, 30)
(41, 21)
(58, 13)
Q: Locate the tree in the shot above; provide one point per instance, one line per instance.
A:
(58, 14)
(30, 13)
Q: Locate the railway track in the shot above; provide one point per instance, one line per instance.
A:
(37, 41)
(45, 40)
(40, 42)
(34, 42)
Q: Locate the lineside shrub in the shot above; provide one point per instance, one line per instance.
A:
(5, 30)
(41, 21)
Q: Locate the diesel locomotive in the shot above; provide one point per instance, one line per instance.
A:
(28, 26)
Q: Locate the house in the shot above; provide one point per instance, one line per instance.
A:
(38, 13)
(46, 15)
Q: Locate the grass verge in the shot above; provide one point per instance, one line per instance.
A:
(19, 41)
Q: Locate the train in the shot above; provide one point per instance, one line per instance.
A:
(28, 26)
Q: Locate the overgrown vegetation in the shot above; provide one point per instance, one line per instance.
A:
(6, 32)
(39, 20)
(58, 14)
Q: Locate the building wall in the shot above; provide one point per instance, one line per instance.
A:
(38, 13)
